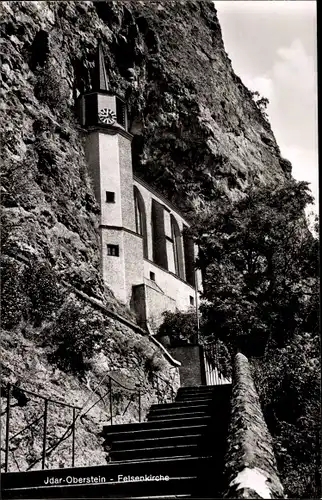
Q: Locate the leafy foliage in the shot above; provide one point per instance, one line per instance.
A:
(288, 382)
(259, 263)
(261, 102)
(44, 295)
(50, 87)
(14, 302)
(75, 335)
(180, 327)
(28, 292)
(260, 267)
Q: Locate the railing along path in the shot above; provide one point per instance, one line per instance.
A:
(12, 390)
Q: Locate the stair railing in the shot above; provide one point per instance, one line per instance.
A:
(155, 380)
(212, 365)
(12, 390)
(136, 391)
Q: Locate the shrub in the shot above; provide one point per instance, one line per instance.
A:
(51, 88)
(41, 285)
(180, 327)
(75, 335)
(14, 301)
(288, 382)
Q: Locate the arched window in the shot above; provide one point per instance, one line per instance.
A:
(140, 219)
(189, 258)
(177, 247)
(159, 242)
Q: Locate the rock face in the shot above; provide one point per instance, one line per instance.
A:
(195, 127)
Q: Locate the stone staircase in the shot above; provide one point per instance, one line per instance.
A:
(177, 453)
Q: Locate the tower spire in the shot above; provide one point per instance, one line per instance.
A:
(100, 80)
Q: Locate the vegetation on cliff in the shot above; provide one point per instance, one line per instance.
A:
(261, 296)
(199, 137)
(261, 290)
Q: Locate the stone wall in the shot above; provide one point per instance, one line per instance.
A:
(250, 466)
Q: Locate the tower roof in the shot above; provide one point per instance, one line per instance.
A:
(100, 80)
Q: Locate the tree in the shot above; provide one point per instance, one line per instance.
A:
(261, 102)
(259, 264)
(260, 267)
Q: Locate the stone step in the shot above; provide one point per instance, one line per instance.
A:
(163, 423)
(176, 415)
(153, 432)
(204, 389)
(182, 404)
(186, 398)
(156, 441)
(198, 388)
(188, 410)
(185, 476)
(179, 450)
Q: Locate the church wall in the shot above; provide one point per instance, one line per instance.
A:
(113, 267)
(170, 285)
(148, 195)
(111, 213)
(156, 303)
(106, 101)
(93, 162)
(133, 260)
(126, 182)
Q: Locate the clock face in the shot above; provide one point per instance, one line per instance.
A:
(107, 116)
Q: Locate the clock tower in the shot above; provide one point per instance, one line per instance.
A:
(103, 115)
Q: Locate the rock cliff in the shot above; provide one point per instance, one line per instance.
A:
(195, 128)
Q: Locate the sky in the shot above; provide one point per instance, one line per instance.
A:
(273, 48)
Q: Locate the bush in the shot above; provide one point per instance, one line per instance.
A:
(288, 383)
(50, 88)
(75, 335)
(180, 327)
(14, 301)
(41, 285)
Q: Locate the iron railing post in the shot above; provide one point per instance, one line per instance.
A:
(158, 391)
(111, 400)
(73, 437)
(7, 427)
(44, 435)
(139, 404)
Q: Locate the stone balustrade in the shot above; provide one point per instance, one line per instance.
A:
(250, 466)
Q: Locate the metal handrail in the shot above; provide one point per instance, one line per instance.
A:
(127, 388)
(136, 391)
(158, 377)
(47, 400)
(213, 373)
(56, 401)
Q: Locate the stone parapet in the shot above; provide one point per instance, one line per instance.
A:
(250, 466)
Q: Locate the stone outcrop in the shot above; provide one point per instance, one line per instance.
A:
(250, 468)
(195, 127)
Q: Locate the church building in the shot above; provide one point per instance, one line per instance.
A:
(146, 258)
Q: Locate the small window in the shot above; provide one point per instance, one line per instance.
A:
(192, 300)
(152, 276)
(113, 250)
(110, 197)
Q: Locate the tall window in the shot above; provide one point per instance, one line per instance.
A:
(177, 247)
(159, 241)
(138, 216)
(140, 219)
(189, 257)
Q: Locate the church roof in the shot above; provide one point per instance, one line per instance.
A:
(100, 79)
